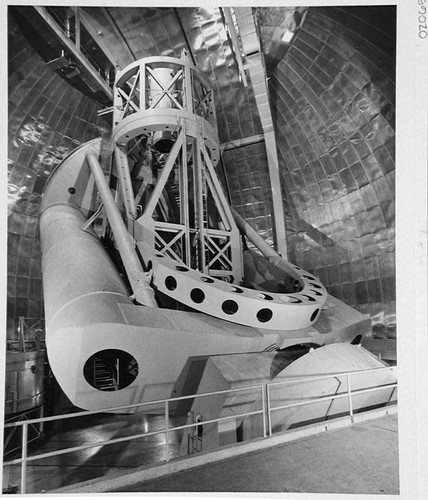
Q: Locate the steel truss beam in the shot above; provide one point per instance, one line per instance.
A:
(256, 68)
(89, 71)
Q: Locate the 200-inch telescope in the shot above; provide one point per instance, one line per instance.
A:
(143, 258)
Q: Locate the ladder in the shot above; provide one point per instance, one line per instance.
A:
(104, 378)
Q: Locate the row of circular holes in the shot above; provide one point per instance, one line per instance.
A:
(230, 307)
(264, 296)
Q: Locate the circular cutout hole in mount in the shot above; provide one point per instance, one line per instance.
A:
(197, 295)
(235, 289)
(229, 307)
(265, 296)
(171, 283)
(264, 315)
(110, 370)
(311, 299)
(181, 268)
(357, 340)
(308, 277)
(314, 314)
(206, 279)
(72, 190)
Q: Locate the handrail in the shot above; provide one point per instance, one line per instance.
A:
(98, 444)
(266, 412)
(333, 396)
(348, 394)
(135, 405)
(310, 378)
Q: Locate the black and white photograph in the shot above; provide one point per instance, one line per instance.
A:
(215, 249)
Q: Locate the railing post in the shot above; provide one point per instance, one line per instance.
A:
(268, 410)
(41, 423)
(24, 458)
(351, 412)
(263, 409)
(167, 431)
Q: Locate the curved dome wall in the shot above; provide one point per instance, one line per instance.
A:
(332, 98)
(332, 95)
(248, 180)
(47, 119)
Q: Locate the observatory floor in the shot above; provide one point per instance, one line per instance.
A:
(361, 459)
